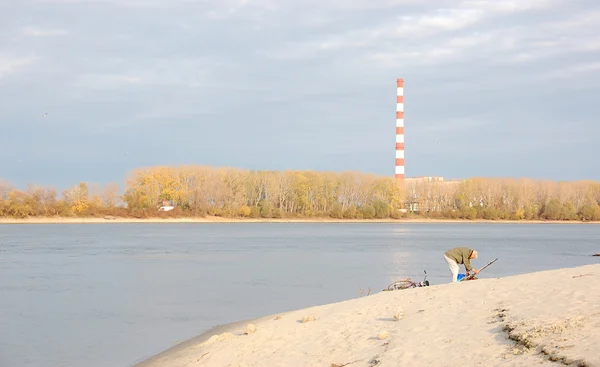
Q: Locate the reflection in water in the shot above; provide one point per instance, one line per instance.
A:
(400, 230)
(399, 265)
(113, 294)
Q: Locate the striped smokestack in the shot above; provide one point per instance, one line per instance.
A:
(400, 130)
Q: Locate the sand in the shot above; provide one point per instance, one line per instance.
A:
(546, 318)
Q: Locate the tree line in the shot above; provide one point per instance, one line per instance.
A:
(197, 191)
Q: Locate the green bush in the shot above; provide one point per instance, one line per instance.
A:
(336, 211)
(368, 212)
(382, 209)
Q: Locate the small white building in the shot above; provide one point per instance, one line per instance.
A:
(166, 206)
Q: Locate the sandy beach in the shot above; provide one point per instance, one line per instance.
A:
(212, 219)
(547, 318)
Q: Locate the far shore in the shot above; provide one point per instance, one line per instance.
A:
(212, 219)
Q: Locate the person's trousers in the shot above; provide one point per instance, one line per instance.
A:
(453, 268)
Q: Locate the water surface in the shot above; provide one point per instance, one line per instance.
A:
(114, 294)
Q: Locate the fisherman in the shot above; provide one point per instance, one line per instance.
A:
(460, 255)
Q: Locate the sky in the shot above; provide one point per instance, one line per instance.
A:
(492, 88)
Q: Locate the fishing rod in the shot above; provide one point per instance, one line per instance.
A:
(469, 277)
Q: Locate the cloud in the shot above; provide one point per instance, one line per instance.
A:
(437, 21)
(401, 28)
(122, 3)
(292, 83)
(570, 72)
(508, 6)
(40, 32)
(107, 81)
(434, 35)
(11, 65)
(452, 126)
(159, 72)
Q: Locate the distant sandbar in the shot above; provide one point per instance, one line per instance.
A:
(213, 219)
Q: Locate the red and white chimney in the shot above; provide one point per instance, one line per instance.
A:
(400, 130)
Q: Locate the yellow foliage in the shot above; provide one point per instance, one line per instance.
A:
(520, 214)
(245, 211)
(233, 192)
(79, 206)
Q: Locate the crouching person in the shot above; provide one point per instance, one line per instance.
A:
(460, 255)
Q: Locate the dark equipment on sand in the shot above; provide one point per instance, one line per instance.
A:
(407, 283)
(472, 276)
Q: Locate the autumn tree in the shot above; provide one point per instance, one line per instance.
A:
(225, 191)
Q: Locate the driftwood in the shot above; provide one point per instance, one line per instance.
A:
(581, 275)
(344, 364)
(361, 291)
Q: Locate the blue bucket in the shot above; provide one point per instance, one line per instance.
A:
(460, 276)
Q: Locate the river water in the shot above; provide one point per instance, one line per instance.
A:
(111, 295)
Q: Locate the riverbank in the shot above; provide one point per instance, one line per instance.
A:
(522, 320)
(212, 219)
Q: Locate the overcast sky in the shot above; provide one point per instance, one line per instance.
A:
(496, 88)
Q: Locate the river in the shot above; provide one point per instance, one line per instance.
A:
(106, 295)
